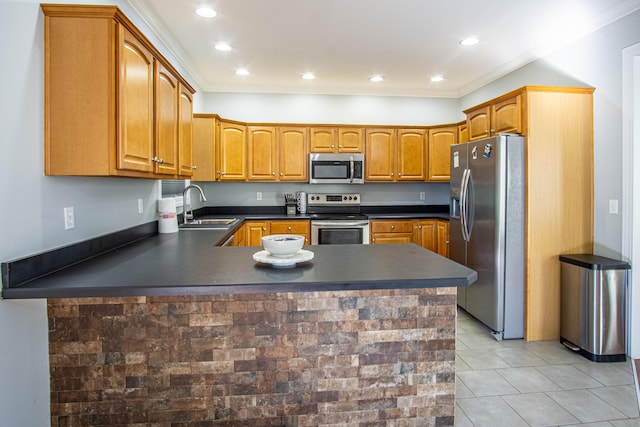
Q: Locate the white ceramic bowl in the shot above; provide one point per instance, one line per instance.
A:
(282, 245)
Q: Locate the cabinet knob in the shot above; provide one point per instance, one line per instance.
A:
(333, 146)
(281, 174)
(289, 228)
(493, 130)
(222, 173)
(400, 174)
(273, 174)
(194, 167)
(157, 160)
(393, 226)
(391, 173)
(264, 229)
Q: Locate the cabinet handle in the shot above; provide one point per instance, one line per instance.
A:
(157, 160)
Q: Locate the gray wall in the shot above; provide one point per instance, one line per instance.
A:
(32, 219)
(595, 61)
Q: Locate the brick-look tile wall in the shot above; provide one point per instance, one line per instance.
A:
(356, 358)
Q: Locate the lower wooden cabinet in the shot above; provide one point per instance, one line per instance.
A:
(253, 231)
(391, 231)
(432, 234)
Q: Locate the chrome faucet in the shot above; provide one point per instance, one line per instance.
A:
(189, 215)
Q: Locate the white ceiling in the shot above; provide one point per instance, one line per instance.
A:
(344, 42)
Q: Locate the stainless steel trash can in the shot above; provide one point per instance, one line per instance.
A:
(592, 304)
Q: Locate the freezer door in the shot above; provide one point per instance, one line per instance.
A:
(457, 244)
(485, 251)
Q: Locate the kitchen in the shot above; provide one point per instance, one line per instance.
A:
(33, 217)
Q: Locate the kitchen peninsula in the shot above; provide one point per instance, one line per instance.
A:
(173, 329)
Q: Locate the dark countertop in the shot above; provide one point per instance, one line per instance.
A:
(191, 262)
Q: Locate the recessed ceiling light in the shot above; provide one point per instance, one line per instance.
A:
(308, 76)
(206, 12)
(437, 78)
(242, 72)
(223, 47)
(376, 79)
(469, 41)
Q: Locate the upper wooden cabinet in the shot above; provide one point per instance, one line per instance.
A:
(278, 153)
(205, 129)
(501, 115)
(440, 141)
(262, 153)
(186, 166)
(231, 152)
(395, 155)
(293, 153)
(463, 133)
(336, 140)
(112, 101)
(412, 155)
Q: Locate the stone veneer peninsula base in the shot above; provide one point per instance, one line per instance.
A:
(348, 358)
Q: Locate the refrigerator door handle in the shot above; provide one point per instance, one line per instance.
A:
(463, 203)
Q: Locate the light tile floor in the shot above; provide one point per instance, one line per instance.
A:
(516, 383)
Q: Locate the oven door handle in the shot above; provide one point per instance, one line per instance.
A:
(339, 223)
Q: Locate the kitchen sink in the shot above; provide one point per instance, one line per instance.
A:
(209, 223)
(213, 221)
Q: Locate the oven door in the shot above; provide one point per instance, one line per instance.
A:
(339, 232)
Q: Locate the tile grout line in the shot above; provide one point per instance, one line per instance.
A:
(635, 363)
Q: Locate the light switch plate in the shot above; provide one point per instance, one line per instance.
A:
(613, 206)
(140, 206)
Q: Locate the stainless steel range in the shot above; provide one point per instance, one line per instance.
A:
(336, 219)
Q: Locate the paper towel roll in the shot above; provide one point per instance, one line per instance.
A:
(167, 205)
(167, 218)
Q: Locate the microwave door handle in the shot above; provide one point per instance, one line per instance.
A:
(351, 164)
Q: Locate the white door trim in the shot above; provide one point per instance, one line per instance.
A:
(630, 180)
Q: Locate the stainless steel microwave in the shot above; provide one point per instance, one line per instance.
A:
(328, 168)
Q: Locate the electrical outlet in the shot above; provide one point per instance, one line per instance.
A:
(422, 197)
(140, 206)
(69, 218)
(259, 195)
(613, 206)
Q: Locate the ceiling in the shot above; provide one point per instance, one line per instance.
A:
(345, 42)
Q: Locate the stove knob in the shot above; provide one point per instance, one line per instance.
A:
(355, 197)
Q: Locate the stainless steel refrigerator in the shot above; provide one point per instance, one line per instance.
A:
(487, 226)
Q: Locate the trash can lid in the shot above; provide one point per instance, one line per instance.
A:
(595, 262)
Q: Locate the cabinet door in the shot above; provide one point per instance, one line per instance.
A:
(412, 155)
(239, 236)
(440, 140)
(463, 133)
(350, 140)
(390, 238)
(323, 140)
(186, 167)
(166, 115)
(426, 234)
(300, 227)
(254, 230)
(443, 238)
(293, 154)
(232, 152)
(506, 116)
(391, 226)
(135, 112)
(380, 157)
(479, 123)
(204, 140)
(262, 153)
